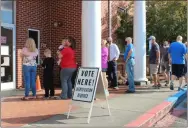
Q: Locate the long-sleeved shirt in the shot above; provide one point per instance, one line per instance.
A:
(113, 52)
(48, 65)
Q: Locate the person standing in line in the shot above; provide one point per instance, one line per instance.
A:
(29, 54)
(112, 63)
(48, 65)
(68, 67)
(154, 60)
(185, 70)
(129, 64)
(104, 60)
(177, 52)
(165, 66)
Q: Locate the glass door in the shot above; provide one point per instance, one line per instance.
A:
(8, 54)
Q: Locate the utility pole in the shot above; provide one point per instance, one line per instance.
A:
(109, 19)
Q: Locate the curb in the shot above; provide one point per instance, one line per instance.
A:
(157, 113)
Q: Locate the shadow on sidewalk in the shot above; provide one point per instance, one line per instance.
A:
(32, 119)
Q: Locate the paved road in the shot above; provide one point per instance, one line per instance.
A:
(177, 118)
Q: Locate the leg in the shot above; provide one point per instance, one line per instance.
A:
(64, 83)
(46, 88)
(33, 79)
(114, 73)
(173, 77)
(26, 75)
(110, 73)
(105, 80)
(130, 73)
(52, 91)
(71, 72)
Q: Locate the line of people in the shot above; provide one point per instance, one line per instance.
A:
(68, 66)
(171, 58)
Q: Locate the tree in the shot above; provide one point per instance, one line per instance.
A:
(165, 20)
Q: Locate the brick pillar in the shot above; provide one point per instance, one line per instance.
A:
(19, 77)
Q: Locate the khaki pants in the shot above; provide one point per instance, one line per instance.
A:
(105, 80)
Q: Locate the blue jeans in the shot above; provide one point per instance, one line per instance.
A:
(130, 73)
(29, 73)
(66, 82)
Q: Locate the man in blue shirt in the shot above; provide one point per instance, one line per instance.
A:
(177, 53)
(129, 64)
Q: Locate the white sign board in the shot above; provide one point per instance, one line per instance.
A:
(88, 85)
(85, 85)
(6, 61)
(2, 71)
(4, 50)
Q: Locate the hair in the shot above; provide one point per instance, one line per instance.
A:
(129, 39)
(63, 40)
(105, 42)
(166, 43)
(179, 38)
(30, 44)
(48, 51)
(72, 41)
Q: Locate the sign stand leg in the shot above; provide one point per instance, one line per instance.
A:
(89, 115)
(108, 106)
(70, 107)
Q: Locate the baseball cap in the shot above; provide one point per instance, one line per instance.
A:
(151, 38)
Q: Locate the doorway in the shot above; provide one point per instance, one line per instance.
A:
(8, 57)
(35, 34)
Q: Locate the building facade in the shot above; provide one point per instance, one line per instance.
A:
(48, 22)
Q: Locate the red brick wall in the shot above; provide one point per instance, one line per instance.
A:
(41, 14)
(35, 15)
(69, 13)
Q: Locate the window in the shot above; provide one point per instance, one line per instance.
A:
(7, 11)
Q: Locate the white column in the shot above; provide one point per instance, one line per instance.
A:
(140, 41)
(91, 33)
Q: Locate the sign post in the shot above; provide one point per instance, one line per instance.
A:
(88, 86)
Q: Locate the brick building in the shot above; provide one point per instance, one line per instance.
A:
(40, 16)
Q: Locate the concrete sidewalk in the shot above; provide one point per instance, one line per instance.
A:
(124, 108)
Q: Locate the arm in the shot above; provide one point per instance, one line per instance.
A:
(129, 54)
(157, 54)
(27, 53)
(43, 63)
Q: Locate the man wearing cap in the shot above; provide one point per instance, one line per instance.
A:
(177, 52)
(165, 62)
(113, 56)
(154, 59)
(129, 64)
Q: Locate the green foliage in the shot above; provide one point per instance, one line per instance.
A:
(165, 20)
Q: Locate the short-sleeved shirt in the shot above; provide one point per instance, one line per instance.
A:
(152, 55)
(128, 48)
(29, 58)
(177, 51)
(68, 59)
(164, 54)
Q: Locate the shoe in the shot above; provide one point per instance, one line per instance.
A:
(117, 88)
(128, 91)
(171, 86)
(180, 89)
(46, 98)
